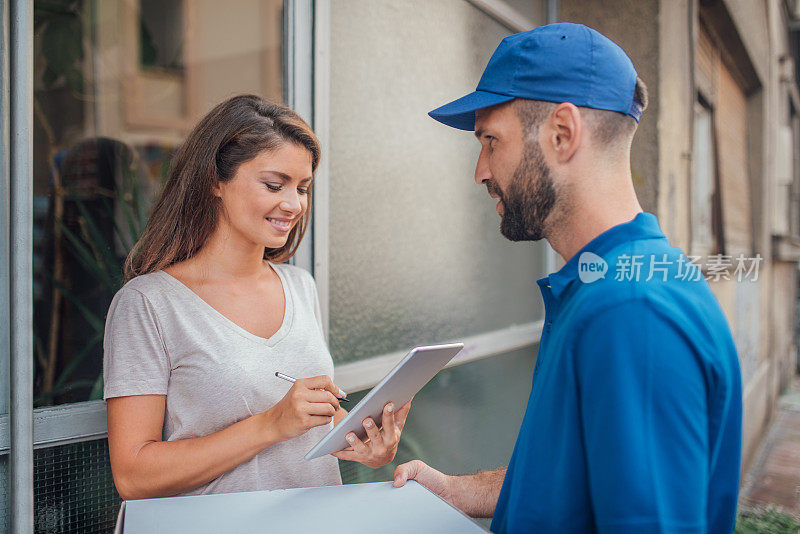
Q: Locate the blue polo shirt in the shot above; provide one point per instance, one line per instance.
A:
(634, 419)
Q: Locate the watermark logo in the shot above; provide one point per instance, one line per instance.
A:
(644, 268)
(591, 267)
(641, 267)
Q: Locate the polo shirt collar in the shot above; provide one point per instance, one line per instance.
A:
(643, 226)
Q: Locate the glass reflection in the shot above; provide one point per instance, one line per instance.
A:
(117, 84)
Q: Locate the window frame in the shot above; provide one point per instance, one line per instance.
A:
(5, 248)
(18, 64)
(5, 211)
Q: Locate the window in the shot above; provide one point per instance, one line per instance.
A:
(117, 86)
(787, 197)
(414, 252)
(794, 202)
(721, 152)
(705, 228)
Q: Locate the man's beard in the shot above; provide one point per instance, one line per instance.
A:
(528, 199)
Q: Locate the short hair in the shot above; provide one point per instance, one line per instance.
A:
(609, 129)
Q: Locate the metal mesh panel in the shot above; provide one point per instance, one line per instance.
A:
(4, 493)
(74, 490)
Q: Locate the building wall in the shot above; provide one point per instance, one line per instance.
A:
(763, 28)
(633, 25)
(660, 36)
(676, 91)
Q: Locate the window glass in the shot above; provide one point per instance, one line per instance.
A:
(415, 250)
(464, 420)
(117, 86)
(703, 182)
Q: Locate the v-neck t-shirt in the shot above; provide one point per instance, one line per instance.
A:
(161, 338)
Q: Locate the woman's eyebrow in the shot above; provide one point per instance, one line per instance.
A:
(285, 177)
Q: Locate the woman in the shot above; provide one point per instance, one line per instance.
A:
(209, 313)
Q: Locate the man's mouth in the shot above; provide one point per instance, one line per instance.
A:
(493, 190)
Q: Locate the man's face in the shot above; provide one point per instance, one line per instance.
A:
(513, 168)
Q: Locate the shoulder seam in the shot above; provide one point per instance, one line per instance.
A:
(159, 328)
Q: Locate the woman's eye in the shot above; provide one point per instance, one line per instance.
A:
(273, 187)
(302, 191)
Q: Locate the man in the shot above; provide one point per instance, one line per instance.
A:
(634, 418)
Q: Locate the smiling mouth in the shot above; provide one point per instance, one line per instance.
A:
(280, 225)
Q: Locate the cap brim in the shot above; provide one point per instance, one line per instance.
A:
(461, 113)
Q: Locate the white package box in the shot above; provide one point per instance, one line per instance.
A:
(372, 507)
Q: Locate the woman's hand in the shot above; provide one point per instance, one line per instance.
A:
(381, 444)
(310, 402)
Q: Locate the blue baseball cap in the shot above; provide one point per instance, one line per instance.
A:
(560, 62)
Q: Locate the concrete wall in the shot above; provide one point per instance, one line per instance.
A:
(633, 25)
(675, 119)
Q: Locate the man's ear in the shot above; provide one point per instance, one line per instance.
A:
(563, 131)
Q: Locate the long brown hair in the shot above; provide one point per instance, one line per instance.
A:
(186, 212)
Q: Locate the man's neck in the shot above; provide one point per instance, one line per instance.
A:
(596, 196)
(580, 226)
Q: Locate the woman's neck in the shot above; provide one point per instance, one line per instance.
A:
(227, 256)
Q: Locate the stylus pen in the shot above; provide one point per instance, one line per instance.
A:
(293, 380)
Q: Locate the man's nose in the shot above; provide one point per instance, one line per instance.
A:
(482, 172)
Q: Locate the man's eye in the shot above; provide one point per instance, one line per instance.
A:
(273, 187)
(491, 141)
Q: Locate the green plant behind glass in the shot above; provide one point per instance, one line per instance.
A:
(59, 24)
(96, 255)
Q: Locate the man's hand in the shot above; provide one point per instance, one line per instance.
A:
(434, 480)
(475, 495)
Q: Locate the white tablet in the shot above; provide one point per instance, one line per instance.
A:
(402, 383)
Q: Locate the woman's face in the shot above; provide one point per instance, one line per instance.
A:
(268, 195)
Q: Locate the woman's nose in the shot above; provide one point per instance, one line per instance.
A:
(291, 203)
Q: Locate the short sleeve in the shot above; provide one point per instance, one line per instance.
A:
(645, 421)
(135, 361)
(311, 288)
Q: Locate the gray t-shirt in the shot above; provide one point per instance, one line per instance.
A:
(161, 338)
